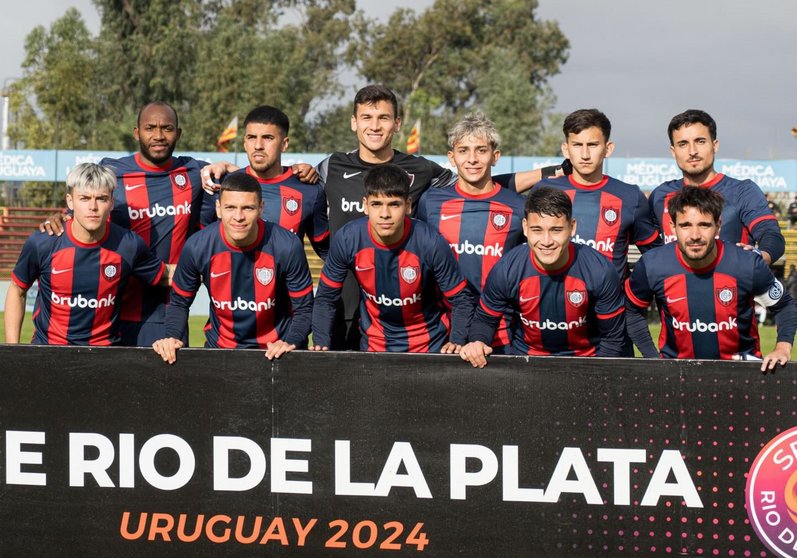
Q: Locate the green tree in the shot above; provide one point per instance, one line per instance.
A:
(463, 55)
(252, 57)
(52, 103)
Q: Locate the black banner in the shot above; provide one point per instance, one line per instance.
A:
(111, 452)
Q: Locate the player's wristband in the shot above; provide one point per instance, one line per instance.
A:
(550, 172)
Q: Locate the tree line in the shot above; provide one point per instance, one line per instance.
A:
(214, 59)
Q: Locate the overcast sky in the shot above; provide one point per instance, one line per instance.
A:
(640, 62)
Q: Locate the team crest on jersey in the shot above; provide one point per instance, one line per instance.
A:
(610, 215)
(264, 275)
(291, 205)
(111, 271)
(409, 273)
(726, 295)
(576, 298)
(499, 219)
(181, 181)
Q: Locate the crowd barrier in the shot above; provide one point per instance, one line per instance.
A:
(111, 452)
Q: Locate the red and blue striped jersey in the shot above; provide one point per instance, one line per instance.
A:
(577, 310)
(81, 285)
(479, 229)
(292, 204)
(745, 209)
(708, 312)
(401, 308)
(258, 294)
(163, 205)
(609, 216)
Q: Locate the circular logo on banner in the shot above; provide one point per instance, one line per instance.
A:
(771, 494)
(110, 271)
(264, 275)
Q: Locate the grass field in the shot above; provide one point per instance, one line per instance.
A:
(197, 336)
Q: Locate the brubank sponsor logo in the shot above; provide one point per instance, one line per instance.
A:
(346, 205)
(478, 249)
(159, 210)
(771, 496)
(80, 301)
(243, 304)
(383, 300)
(551, 325)
(703, 327)
(601, 245)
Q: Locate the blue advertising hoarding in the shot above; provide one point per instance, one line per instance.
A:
(646, 172)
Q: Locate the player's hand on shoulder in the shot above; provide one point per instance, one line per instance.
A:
(476, 353)
(305, 172)
(212, 175)
(167, 348)
(278, 348)
(54, 224)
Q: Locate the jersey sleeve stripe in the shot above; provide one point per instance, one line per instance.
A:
(159, 276)
(456, 289)
(330, 282)
(611, 315)
(648, 240)
(321, 236)
(20, 283)
(762, 218)
(490, 311)
(635, 300)
(303, 292)
(181, 292)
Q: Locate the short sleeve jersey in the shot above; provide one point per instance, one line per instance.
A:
(163, 206)
(81, 285)
(609, 216)
(745, 207)
(709, 312)
(556, 312)
(401, 306)
(253, 291)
